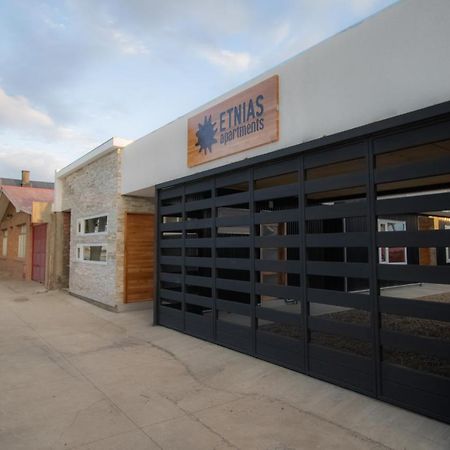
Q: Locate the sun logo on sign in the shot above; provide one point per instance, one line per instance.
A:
(206, 135)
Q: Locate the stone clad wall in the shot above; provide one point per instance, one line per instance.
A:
(94, 190)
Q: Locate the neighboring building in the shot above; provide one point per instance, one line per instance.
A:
(104, 244)
(25, 208)
(303, 218)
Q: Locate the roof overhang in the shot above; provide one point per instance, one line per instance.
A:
(111, 144)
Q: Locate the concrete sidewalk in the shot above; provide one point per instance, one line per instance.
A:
(75, 376)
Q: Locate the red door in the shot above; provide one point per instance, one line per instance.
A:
(39, 252)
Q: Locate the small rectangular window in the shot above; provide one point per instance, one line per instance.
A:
(93, 225)
(22, 241)
(392, 255)
(92, 253)
(5, 243)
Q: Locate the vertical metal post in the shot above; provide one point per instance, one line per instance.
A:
(303, 256)
(157, 260)
(251, 189)
(373, 260)
(213, 261)
(183, 257)
(344, 230)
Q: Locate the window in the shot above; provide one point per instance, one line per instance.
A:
(93, 225)
(447, 249)
(392, 255)
(242, 230)
(171, 219)
(22, 242)
(92, 253)
(5, 243)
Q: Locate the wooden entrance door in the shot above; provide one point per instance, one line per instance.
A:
(39, 252)
(139, 257)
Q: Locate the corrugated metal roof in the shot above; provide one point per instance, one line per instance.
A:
(23, 197)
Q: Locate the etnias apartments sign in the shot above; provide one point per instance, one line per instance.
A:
(246, 120)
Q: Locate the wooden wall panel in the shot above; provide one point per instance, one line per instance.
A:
(139, 257)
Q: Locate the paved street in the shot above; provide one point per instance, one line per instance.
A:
(75, 376)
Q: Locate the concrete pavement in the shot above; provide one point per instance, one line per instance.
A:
(75, 376)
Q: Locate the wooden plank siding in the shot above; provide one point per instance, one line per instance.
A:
(139, 257)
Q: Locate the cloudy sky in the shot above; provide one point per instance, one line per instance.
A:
(73, 73)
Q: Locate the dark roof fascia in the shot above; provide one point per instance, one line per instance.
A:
(379, 127)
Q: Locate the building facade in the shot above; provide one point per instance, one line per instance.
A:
(106, 265)
(24, 222)
(318, 238)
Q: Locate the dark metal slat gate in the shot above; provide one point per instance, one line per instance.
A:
(293, 260)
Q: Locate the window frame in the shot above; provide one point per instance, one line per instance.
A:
(80, 247)
(5, 242)
(22, 241)
(386, 249)
(81, 225)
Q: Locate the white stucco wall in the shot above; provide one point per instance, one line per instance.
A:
(394, 62)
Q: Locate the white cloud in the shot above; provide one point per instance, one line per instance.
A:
(52, 24)
(280, 33)
(41, 164)
(16, 112)
(30, 139)
(19, 117)
(128, 44)
(231, 61)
